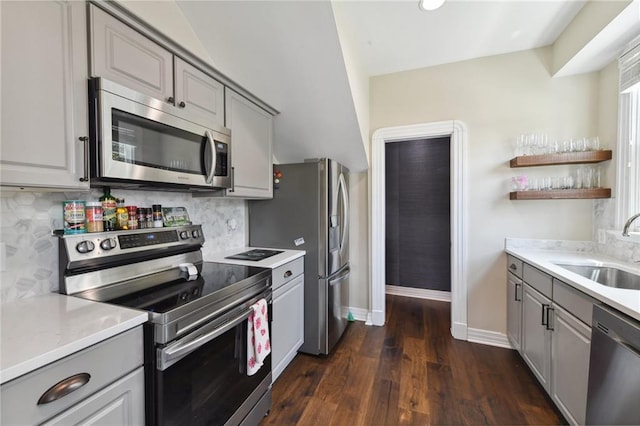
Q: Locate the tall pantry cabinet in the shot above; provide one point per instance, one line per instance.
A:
(44, 124)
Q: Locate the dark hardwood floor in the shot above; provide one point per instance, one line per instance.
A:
(411, 371)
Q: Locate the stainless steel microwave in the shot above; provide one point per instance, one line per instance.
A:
(138, 142)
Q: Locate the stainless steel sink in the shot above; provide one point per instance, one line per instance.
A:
(606, 275)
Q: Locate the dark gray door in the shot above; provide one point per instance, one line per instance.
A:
(418, 218)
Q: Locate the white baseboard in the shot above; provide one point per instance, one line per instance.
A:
(486, 337)
(360, 314)
(419, 293)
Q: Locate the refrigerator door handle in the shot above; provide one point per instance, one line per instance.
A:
(345, 205)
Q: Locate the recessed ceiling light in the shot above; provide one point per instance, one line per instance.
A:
(430, 4)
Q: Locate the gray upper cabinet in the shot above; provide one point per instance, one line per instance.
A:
(44, 94)
(251, 147)
(198, 94)
(123, 55)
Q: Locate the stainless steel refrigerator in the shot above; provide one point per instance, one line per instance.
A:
(310, 211)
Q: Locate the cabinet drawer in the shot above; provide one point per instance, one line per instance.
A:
(538, 280)
(572, 300)
(514, 265)
(105, 362)
(287, 272)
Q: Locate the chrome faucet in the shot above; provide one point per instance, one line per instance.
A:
(625, 231)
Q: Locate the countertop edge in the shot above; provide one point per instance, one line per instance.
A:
(625, 301)
(272, 262)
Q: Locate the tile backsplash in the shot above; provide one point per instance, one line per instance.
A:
(604, 218)
(29, 252)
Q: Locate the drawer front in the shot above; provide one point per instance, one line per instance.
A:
(514, 265)
(287, 272)
(105, 362)
(538, 280)
(574, 301)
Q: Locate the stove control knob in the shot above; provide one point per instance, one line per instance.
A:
(184, 235)
(195, 233)
(108, 244)
(85, 246)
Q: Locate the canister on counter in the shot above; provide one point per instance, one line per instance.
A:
(133, 217)
(74, 217)
(94, 217)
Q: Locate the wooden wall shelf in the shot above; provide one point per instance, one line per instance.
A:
(559, 194)
(561, 158)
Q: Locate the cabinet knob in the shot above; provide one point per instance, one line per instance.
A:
(513, 267)
(182, 104)
(171, 100)
(288, 274)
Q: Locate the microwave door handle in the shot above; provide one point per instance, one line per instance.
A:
(210, 169)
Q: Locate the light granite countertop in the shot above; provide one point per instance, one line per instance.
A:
(624, 300)
(40, 330)
(270, 262)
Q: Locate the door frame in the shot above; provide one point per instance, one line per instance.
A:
(457, 131)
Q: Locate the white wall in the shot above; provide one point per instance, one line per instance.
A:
(498, 98)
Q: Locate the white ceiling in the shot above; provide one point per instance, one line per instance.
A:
(396, 36)
(288, 53)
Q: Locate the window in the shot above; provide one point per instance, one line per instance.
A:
(628, 185)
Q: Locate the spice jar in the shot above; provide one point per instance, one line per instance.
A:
(157, 216)
(94, 217)
(149, 216)
(132, 211)
(122, 215)
(142, 218)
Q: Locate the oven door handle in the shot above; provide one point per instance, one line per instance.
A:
(172, 354)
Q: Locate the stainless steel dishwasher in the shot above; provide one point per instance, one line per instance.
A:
(614, 369)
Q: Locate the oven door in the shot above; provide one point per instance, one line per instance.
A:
(201, 379)
(145, 143)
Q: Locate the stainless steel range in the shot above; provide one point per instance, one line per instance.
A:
(196, 336)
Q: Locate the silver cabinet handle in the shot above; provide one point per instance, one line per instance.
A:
(64, 387)
(233, 180)
(85, 140)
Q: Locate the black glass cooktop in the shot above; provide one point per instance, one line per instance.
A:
(255, 254)
(213, 278)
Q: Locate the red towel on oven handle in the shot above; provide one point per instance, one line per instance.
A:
(258, 343)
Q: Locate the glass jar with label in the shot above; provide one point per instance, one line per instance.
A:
(94, 217)
(108, 210)
(122, 214)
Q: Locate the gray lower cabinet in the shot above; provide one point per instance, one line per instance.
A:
(102, 385)
(555, 336)
(287, 328)
(536, 337)
(44, 120)
(570, 346)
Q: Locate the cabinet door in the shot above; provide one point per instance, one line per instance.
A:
(251, 142)
(121, 403)
(570, 346)
(44, 94)
(198, 94)
(536, 339)
(514, 311)
(121, 54)
(288, 324)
